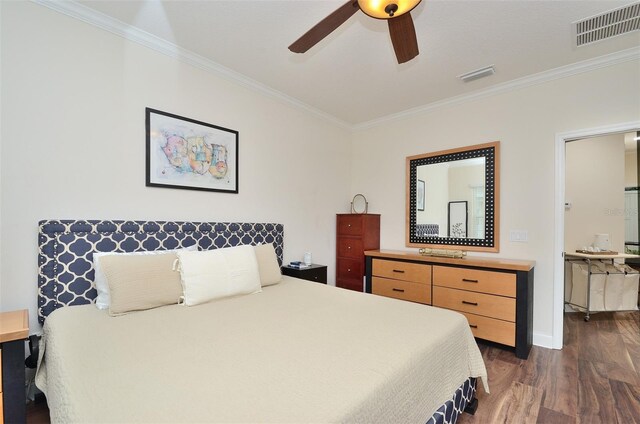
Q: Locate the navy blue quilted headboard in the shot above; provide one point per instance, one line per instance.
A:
(66, 247)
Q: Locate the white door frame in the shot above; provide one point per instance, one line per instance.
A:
(558, 261)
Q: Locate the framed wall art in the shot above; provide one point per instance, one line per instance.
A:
(189, 154)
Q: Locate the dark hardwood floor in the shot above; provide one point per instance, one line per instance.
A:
(594, 379)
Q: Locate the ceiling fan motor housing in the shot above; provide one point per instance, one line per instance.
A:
(391, 9)
(387, 9)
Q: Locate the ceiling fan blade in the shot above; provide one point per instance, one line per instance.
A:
(403, 37)
(325, 27)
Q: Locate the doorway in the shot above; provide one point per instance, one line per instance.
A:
(559, 227)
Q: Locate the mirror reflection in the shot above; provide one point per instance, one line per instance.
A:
(451, 198)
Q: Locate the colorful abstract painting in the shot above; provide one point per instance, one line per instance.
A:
(185, 153)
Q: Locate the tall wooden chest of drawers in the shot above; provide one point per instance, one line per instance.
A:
(495, 295)
(355, 233)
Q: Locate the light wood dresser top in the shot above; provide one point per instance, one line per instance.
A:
(494, 263)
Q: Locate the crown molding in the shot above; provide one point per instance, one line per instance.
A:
(528, 81)
(136, 35)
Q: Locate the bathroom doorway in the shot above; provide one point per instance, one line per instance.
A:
(601, 224)
(562, 140)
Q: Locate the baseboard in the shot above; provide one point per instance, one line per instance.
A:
(543, 340)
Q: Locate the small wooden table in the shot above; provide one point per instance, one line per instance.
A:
(14, 329)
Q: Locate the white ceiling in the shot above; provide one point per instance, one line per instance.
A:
(352, 74)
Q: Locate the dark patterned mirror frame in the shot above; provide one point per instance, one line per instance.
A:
(491, 242)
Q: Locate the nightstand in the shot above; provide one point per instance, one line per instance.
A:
(14, 329)
(317, 273)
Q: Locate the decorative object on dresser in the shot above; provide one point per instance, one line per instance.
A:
(313, 272)
(496, 295)
(355, 234)
(14, 329)
(462, 206)
(185, 153)
(359, 204)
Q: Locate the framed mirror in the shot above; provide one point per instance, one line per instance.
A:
(453, 198)
(359, 204)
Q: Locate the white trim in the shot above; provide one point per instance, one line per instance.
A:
(543, 340)
(136, 35)
(535, 79)
(558, 249)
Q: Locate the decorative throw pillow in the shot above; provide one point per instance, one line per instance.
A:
(139, 282)
(214, 274)
(268, 265)
(103, 299)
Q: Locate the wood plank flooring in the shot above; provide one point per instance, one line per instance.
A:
(595, 378)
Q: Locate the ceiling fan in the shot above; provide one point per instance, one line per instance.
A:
(396, 12)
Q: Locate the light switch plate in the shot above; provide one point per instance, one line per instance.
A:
(520, 236)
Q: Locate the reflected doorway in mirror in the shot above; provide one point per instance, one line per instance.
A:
(458, 219)
(420, 195)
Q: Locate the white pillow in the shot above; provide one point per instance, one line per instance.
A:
(268, 265)
(214, 274)
(103, 300)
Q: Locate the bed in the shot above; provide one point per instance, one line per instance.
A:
(298, 351)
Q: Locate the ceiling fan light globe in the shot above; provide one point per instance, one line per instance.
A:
(376, 8)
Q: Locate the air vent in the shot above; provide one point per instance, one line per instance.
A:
(610, 24)
(478, 73)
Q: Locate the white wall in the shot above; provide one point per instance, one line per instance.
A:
(526, 122)
(73, 145)
(594, 184)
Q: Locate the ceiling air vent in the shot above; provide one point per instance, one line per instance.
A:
(610, 24)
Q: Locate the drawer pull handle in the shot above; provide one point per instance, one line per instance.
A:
(398, 290)
(470, 303)
(466, 280)
(348, 269)
(473, 326)
(399, 271)
(349, 247)
(348, 225)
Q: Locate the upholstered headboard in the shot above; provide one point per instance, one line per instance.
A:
(66, 247)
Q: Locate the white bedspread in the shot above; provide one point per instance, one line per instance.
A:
(297, 352)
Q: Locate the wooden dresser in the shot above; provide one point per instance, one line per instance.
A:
(496, 295)
(355, 233)
(14, 329)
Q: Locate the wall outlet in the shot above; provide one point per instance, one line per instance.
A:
(520, 236)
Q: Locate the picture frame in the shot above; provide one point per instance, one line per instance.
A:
(188, 154)
(458, 217)
(420, 195)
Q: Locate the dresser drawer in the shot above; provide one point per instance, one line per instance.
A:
(417, 273)
(350, 247)
(350, 269)
(500, 283)
(492, 329)
(354, 285)
(404, 290)
(350, 225)
(476, 303)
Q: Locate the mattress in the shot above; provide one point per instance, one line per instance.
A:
(296, 352)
